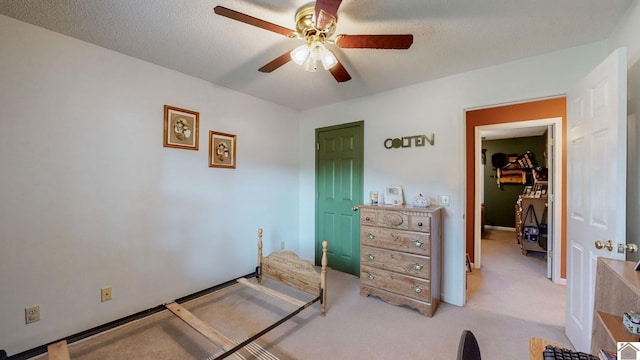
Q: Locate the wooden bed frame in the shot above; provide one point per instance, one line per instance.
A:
(283, 267)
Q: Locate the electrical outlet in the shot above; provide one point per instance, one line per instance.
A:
(443, 200)
(105, 293)
(282, 245)
(32, 314)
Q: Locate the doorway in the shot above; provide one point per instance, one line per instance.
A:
(502, 191)
(534, 113)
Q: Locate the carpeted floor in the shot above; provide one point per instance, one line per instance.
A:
(509, 300)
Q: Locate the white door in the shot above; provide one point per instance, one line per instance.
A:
(596, 185)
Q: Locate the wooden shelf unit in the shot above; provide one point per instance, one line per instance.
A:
(511, 176)
(617, 291)
(522, 204)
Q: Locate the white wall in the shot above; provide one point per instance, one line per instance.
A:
(89, 196)
(436, 107)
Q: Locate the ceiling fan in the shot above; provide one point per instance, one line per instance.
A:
(315, 24)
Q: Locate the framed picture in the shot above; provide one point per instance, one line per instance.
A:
(181, 128)
(393, 195)
(527, 190)
(222, 150)
(539, 190)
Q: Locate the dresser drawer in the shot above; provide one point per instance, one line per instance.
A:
(393, 219)
(398, 283)
(368, 217)
(419, 266)
(415, 243)
(420, 223)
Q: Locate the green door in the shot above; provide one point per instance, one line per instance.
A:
(339, 167)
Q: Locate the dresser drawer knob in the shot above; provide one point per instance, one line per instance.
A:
(417, 243)
(417, 289)
(371, 257)
(367, 218)
(420, 224)
(370, 276)
(417, 266)
(370, 236)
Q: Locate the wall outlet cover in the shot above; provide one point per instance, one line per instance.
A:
(105, 293)
(443, 200)
(32, 314)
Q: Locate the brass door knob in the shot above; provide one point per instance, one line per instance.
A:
(604, 244)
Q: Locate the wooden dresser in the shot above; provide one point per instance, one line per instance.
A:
(400, 252)
(617, 291)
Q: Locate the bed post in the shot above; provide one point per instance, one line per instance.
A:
(259, 268)
(323, 276)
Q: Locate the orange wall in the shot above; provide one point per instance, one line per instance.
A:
(542, 109)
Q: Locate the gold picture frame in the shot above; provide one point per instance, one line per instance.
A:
(222, 150)
(181, 128)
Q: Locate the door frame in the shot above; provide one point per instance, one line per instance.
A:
(532, 109)
(555, 197)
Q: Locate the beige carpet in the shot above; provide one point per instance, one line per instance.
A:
(509, 301)
(232, 311)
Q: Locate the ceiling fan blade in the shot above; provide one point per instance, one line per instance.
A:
(374, 41)
(340, 73)
(326, 12)
(276, 63)
(232, 14)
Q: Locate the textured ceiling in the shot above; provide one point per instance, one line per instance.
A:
(450, 36)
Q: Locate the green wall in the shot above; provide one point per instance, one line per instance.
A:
(499, 202)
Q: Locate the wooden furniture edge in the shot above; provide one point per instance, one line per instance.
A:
(323, 276)
(423, 307)
(58, 350)
(537, 345)
(624, 271)
(615, 328)
(200, 326)
(271, 292)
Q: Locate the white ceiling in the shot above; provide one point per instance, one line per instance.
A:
(450, 36)
(512, 132)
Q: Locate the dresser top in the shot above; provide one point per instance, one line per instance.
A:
(625, 271)
(431, 208)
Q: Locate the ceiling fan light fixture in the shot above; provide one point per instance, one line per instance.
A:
(329, 60)
(315, 25)
(317, 49)
(308, 55)
(300, 54)
(310, 64)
